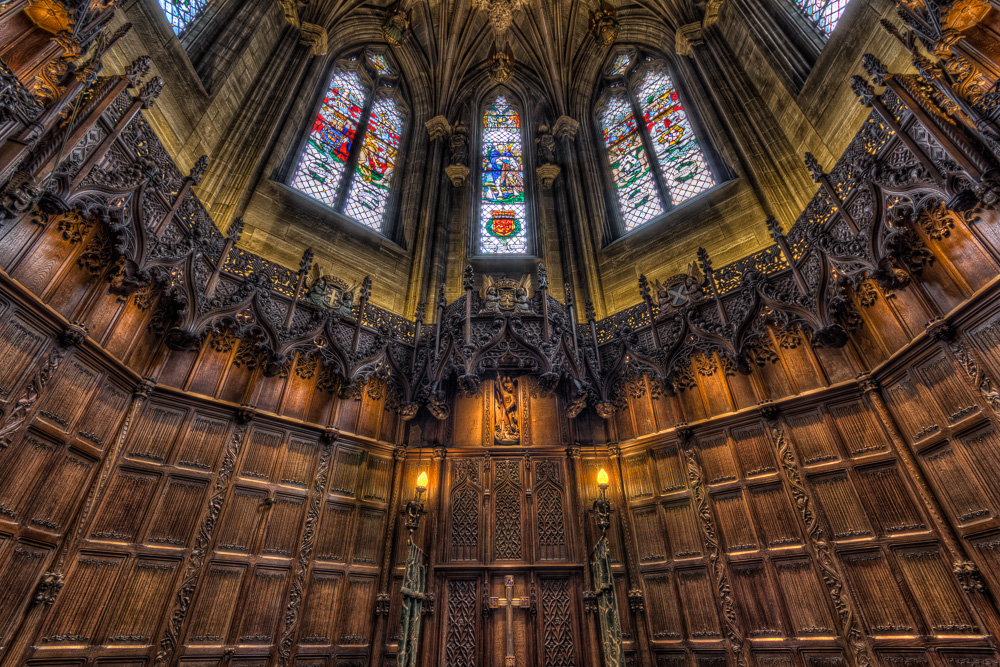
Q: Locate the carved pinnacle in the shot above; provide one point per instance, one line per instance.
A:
(235, 230)
(704, 262)
(568, 290)
(421, 310)
(812, 164)
(468, 276)
(366, 288)
(150, 91)
(198, 170)
(588, 310)
(864, 90)
(441, 301)
(543, 277)
(138, 69)
(875, 69)
(644, 289)
(306, 263)
(774, 227)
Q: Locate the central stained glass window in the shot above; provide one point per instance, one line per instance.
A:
(350, 156)
(502, 209)
(644, 118)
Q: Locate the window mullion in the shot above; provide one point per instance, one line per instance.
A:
(352, 160)
(647, 141)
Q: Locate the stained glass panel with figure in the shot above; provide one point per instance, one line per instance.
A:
(328, 148)
(502, 211)
(676, 148)
(366, 201)
(630, 171)
(181, 12)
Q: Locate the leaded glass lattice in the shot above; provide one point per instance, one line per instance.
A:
(181, 12)
(502, 211)
(366, 201)
(674, 144)
(633, 178)
(328, 148)
(824, 14)
(620, 64)
(379, 62)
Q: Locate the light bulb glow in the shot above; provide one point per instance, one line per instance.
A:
(602, 478)
(422, 481)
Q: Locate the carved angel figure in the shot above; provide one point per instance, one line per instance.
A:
(522, 295)
(491, 295)
(507, 430)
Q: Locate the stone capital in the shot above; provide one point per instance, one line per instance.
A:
(565, 128)
(438, 127)
(457, 174)
(686, 38)
(314, 36)
(712, 9)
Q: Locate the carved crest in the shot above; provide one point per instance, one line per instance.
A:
(506, 295)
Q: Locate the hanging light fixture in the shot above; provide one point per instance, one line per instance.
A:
(604, 24)
(500, 63)
(602, 506)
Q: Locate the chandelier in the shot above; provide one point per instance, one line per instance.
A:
(501, 13)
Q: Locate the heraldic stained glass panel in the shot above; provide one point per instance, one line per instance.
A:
(502, 210)
(619, 64)
(181, 12)
(328, 148)
(676, 148)
(824, 14)
(630, 169)
(380, 62)
(369, 192)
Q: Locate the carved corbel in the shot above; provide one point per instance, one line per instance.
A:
(315, 37)
(144, 388)
(330, 436)
(245, 414)
(712, 9)
(74, 334)
(686, 38)
(438, 127)
(565, 128)
(547, 174)
(291, 10)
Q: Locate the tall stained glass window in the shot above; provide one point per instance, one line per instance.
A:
(181, 12)
(654, 157)
(502, 209)
(350, 156)
(823, 14)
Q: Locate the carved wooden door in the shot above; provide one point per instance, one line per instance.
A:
(510, 564)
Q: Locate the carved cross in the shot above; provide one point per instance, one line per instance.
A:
(509, 601)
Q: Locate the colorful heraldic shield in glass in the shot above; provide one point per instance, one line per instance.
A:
(328, 148)
(824, 14)
(366, 201)
(633, 178)
(502, 210)
(674, 144)
(180, 13)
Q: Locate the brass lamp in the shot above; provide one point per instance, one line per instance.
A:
(602, 507)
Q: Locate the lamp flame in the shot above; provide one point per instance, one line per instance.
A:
(422, 482)
(602, 478)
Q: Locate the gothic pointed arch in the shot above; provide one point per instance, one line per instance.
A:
(350, 152)
(653, 157)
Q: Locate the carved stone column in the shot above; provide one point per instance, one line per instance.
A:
(422, 280)
(769, 163)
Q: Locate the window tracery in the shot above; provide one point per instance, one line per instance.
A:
(646, 187)
(823, 14)
(350, 156)
(503, 227)
(180, 13)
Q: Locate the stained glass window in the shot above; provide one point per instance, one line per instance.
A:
(630, 170)
(181, 12)
(647, 186)
(351, 153)
(502, 211)
(674, 144)
(824, 14)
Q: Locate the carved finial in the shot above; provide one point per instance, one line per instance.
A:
(366, 288)
(543, 277)
(588, 310)
(925, 67)
(421, 311)
(468, 276)
(875, 69)
(704, 262)
(441, 300)
(568, 291)
(812, 164)
(150, 91)
(121, 32)
(890, 28)
(198, 170)
(644, 289)
(307, 259)
(138, 69)
(774, 227)
(864, 90)
(235, 230)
